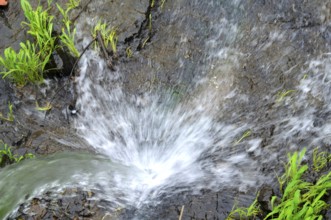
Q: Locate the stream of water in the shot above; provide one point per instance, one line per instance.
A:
(163, 142)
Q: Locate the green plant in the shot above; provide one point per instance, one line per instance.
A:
(24, 66)
(150, 22)
(320, 159)
(6, 151)
(246, 134)
(145, 42)
(68, 35)
(40, 24)
(109, 36)
(112, 39)
(162, 3)
(68, 38)
(47, 107)
(293, 168)
(300, 199)
(129, 52)
(243, 213)
(29, 63)
(72, 4)
(10, 116)
(282, 95)
(7, 157)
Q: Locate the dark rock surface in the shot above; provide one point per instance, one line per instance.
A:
(70, 204)
(202, 206)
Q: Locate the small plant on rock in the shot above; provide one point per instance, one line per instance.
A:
(243, 213)
(24, 66)
(46, 107)
(162, 3)
(7, 157)
(300, 199)
(40, 24)
(246, 134)
(67, 36)
(320, 159)
(129, 52)
(28, 65)
(109, 36)
(10, 116)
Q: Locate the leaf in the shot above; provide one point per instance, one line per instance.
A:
(47, 107)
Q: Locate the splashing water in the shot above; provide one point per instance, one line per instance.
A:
(153, 144)
(169, 143)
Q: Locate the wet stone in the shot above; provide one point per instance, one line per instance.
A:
(6, 160)
(264, 197)
(72, 204)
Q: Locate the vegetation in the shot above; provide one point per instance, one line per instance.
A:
(40, 24)
(46, 107)
(242, 213)
(109, 36)
(282, 95)
(7, 157)
(162, 3)
(68, 38)
(145, 42)
(320, 159)
(150, 22)
(129, 52)
(245, 135)
(28, 65)
(10, 116)
(300, 199)
(24, 66)
(68, 35)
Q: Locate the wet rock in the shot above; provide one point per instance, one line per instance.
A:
(35, 130)
(10, 26)
(61, 64)
(264, 197)
(74, 203)
(126, 16)
(207, 205)
(5, 160)
(36, 209)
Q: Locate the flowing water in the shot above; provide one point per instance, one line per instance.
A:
(251, 77)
